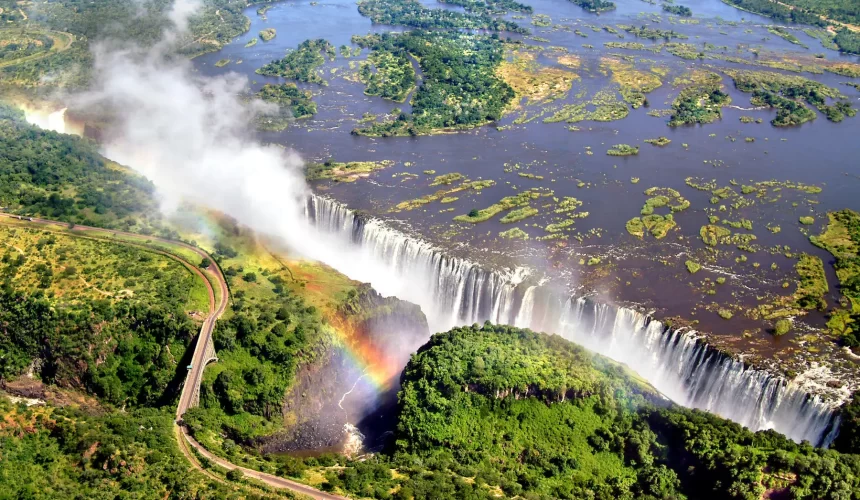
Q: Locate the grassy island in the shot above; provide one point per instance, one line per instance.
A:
(293, 104)
(268, 34)
(302, 63)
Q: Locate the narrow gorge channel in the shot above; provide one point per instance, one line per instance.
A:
(453, 291)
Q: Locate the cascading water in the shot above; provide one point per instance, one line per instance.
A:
(453, 291)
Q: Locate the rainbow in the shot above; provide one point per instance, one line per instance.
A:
(380, 370)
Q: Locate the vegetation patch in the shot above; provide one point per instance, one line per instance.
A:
(530, 80)
(412, 13)
(784, 93)
(302, 63)
(293, 104)
(634, 83)
(268, 34)
(603, 107)
(841, 238)
(442, 194)
(508, 202)
(660, 141)
(460, 88)
(595, 6)
(388, 75)
(699, 103)
(623, 150)
(345, 172)
(812, 283)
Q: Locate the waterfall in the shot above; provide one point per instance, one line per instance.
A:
(453, 291)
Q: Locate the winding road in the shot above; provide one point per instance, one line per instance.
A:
(217, 306)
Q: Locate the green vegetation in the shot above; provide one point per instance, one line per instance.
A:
(651, 33)
(293, 104)
(251, 42)
(97, 453)
(518, 215)
(698, 104)
(301, 64)
(73, 270)
(73, 25)
(812, 284)
(658, 225)
(411, 13)
(73, 182)
(848, 41)
(486, 7)
(388, 75)
(712, 235)
(781, 327)
(344, 172)
(623, 150)
(459, 88)
(692, 266)
(660, 141)
(807, 220)
(514, 234)
(595, 6)
(530, 415)
(784, 93)
(268, 34)
(678, 10)
(606, 105)
(842, 239)
(784, 34)
(508, 202)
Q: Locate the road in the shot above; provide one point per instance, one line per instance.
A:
(192, 380)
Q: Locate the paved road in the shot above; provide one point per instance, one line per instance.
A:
(197, 362)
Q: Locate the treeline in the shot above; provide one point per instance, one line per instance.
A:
(259, 349)
(293, 104)
(214, 25)
(595, 6)
(411, 13)
(785, 93)
(459, 89)
(842, 239)
(678, 10)
(60, 176)
(490, 6)
(120, 352)
(68, 453)
(535, 415)
(302, 63)
(810, 12)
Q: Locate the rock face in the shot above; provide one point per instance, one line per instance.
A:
(355, 380)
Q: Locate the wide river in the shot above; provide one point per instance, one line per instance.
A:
(573, 162)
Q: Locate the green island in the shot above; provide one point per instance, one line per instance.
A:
(293, 104)
(699, 103)
(623, 150)
(595, 6)
(344, 172)
(821, 13)
(678, 10)
(301, 64)
(469, 96)
(268, 34)
(485, 7)
(412, 13)
(783, 92)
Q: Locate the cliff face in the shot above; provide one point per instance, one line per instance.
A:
(356, 377)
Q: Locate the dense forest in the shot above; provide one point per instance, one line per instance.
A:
(459, 88)
(70, 453)
(810, 12)
(63, 177)
(292, 103)
(411, 13)
(490, 6)
(141, 23)
(301, 64)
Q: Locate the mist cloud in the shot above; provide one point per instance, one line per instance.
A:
(193, 137)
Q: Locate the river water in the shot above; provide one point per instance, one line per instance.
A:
(649, 273)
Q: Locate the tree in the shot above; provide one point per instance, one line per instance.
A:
(205, 263)
(782, 327)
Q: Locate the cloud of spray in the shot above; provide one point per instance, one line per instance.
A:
(193, 137)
